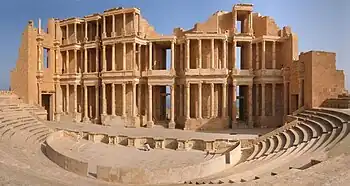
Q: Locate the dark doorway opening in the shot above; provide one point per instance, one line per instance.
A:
(46, 103)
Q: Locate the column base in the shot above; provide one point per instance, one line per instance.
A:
(76, 117)
(187, 124)
(234, 124)
(57, 116)
(171, 125)
(250, 124)
(133, 122)
(103, 119)
(150, 124)
(86, 119)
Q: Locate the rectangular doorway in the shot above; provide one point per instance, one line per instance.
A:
(46, 103)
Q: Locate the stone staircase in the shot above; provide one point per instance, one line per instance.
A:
(288, 148)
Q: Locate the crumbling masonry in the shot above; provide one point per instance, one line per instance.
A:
(238, 69)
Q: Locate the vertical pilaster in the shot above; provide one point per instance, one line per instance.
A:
(67, 62)
(124, 100)
(97, 104)
(300, 98)
(75, 33)
(86, 31)
(251, 23)
(172, 109)
(58, 101)
(113, 56)
(181, 107)
(150, 62)
(250, 106)
(187, 54)
(67, 34)
(134, 25)
(212, 99)
(181, 57)
(200, 100)
(113, 99)
(263, 99)
(257, 100)
(274, 55)
(273, 99)
(86, 102)
(150, 107)
(104, 60)
(212, 53)
(172, 56)
(124, 24)
(263, 54)
(224, 52)
(234, 21)
(224, 100)
(199, 53)
(97, 30)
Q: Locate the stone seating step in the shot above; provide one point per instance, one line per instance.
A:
(33, 136)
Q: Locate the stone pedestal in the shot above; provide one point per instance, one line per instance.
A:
(150, 124)
(57, 116)
(171, 125)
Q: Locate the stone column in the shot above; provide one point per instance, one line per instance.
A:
(257, 56)
(134, 56)
(86, 31)
(274, 55)
(86, 102)
(75, 33)
(234, 105)
(263, 99)
(187, 54)
(212, 53)
(75, 61)
(250, 56)
(150, 114)
(250, 23)
(263, 56)
(134, 25)
(234, 21)
(257, 100)
(124, 100)
(67, 99)
(85, 60)
(250, 106)
(75, 105)
(104, 34)
(124, 56)
(181, 57)
(200, 100)
(273, 99)
(113, 56)
(113, 99)
(212, 99)
(300, 98)
(234, 43)
(224, 102)
(172, 56)
(150, 56)
(187, 97)
(134, 106)
(104, 100)
(67, 62)
(124, 24)
(67, 34)
(181, 107)
(139, 58)
(285, 98)
(97, 59)
(172, 109)
(199, 53)
(97, 30)
(224, 50)
(97, 103)
(58, 101)
(104, 62)
(113, 26)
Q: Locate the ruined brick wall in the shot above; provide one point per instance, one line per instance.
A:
(322, 79)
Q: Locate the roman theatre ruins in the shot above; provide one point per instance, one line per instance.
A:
(106, 100)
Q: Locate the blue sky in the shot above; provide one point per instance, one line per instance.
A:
(320, 24)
